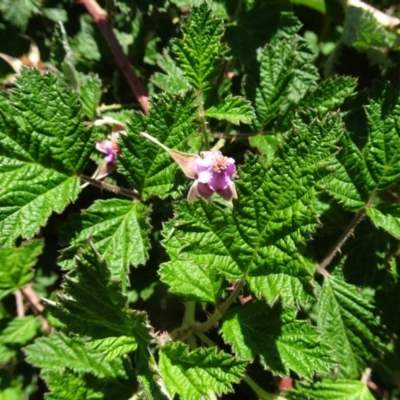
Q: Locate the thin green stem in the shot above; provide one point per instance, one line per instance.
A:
(188, 320)
(220, 311)
(261, 393)
(340, 242)
(189, 316)
(184, 332)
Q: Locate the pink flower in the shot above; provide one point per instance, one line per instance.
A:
(110, 147)
(213, 173)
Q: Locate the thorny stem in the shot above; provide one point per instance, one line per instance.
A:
(100, 18)
(220, 311)
(185, 331)
(112, 188)
(261, 393)
(36, 306)
(321, 269)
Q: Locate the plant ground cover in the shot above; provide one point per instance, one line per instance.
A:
(199, 199)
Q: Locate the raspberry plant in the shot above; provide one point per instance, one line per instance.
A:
(276, 278)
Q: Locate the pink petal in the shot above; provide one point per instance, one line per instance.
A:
(229, 193)
(219, 181)
(204, 190)
(231, 169)
(205, 176)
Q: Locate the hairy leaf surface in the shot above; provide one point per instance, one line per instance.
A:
(387, 217)
(67, 385)
(119, 230)
(58, 351)
(20, 330)
(273, 333)
(43, 145)
(348, 323)
(16, 266)
(262, 237)
(94, 305)
(343, 389)
(233, 109)
(200, 50)
(193, 375)
(268, 83)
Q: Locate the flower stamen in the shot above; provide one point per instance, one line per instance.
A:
(220, 163)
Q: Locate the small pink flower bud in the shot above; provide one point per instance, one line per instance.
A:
(109, 147)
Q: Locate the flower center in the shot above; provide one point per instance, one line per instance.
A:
(220, 163)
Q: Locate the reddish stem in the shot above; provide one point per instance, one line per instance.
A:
(36, 306)
(99, 16)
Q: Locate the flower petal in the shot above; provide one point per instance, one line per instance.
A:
(219, 181)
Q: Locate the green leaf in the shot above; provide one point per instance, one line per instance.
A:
(273, 333)
(266, 145)
(118, 228)
(268, 83)
(198, 374)
(263, 236)
(8, 353)
(305, 74)
(200, 50)
(90, 95)
(94, 305)
(83, 45)
(328, 96)
(16, 266)
(216, 7)
(349, 324)
(360, 175)
(343, 389)
(264, 23)
(382, 152)
(43, 143)
(387, 217)
(362, 30)
(20, 330)
(114, 347)
(318, 5)
(191, 280)
(233, 109)
(58, 351)
(146, 166)
(67, 385)
(148, 375)
(172, 80)
(30, 193)
(350, 181)
(18, 12)
(50, 130)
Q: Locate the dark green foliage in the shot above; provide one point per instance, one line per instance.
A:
(114, 286)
